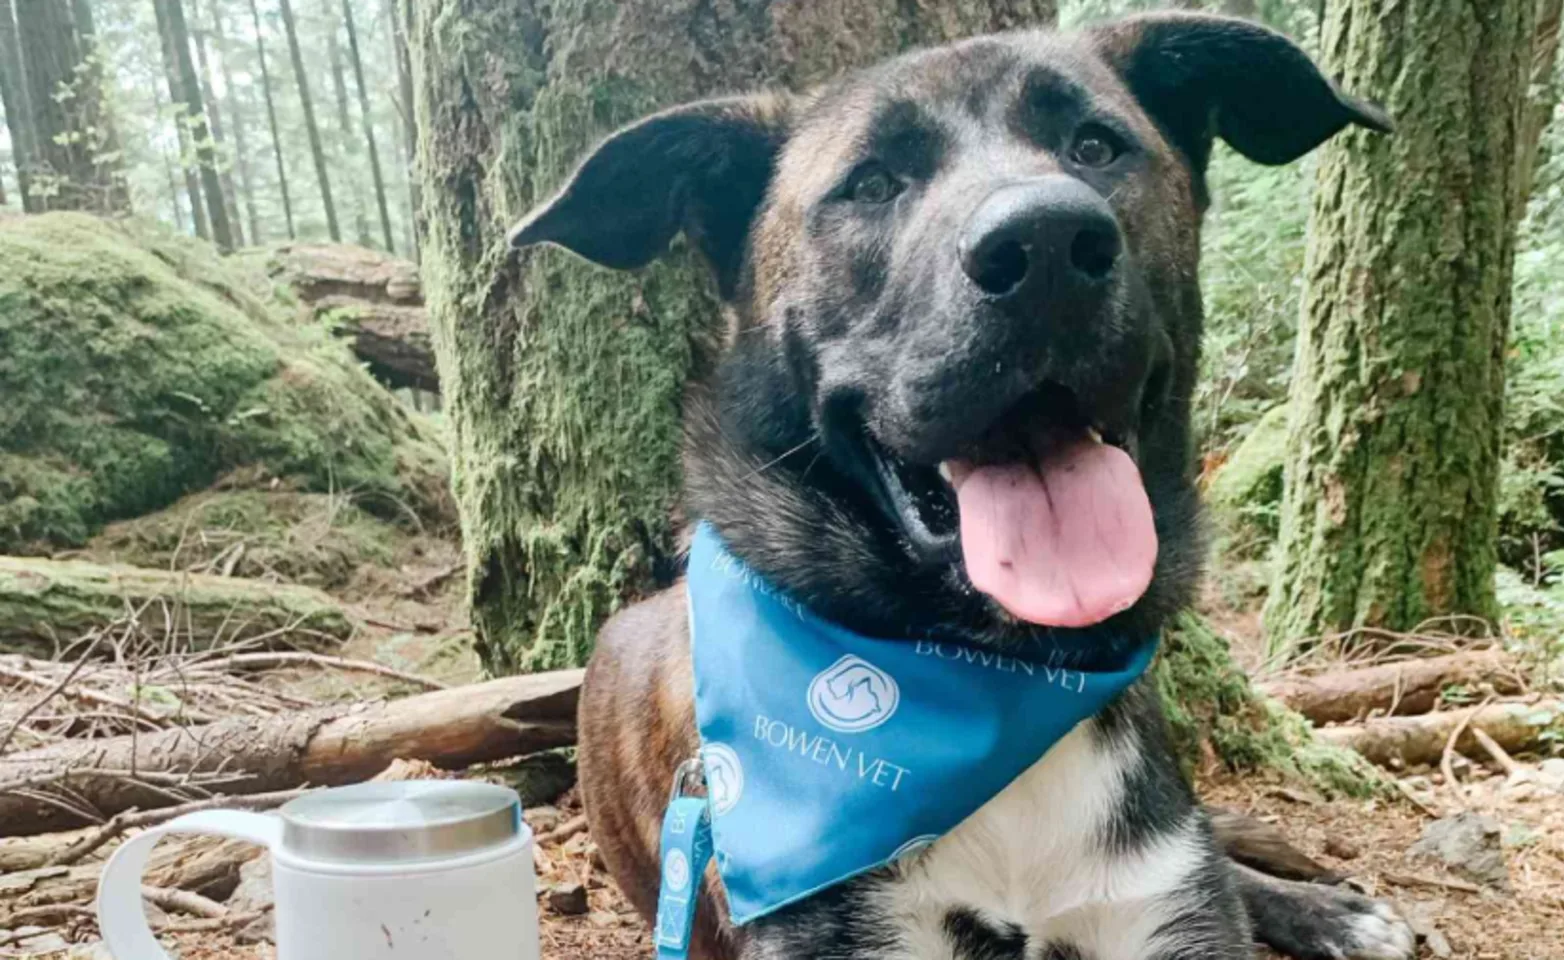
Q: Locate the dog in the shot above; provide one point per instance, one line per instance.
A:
(963, 295)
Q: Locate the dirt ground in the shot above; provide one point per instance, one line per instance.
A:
(1364, 840)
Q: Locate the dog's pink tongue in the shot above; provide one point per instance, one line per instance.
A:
(1067, 543)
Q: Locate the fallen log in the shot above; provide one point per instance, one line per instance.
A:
(1387, 741)
(1406, 687)
(326, 746)
(319, 270)
(391, 338)
(45, 603)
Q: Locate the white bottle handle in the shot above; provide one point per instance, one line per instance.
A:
(121, 918)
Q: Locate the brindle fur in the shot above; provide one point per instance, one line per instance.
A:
(840, 317)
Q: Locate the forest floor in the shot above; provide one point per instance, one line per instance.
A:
(1366, 841)
(410, 617)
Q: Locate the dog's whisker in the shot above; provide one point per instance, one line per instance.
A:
(782, 456)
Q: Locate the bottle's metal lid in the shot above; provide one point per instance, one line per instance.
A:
(400, 821)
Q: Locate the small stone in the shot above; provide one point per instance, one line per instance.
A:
(263, 929)
(544, 819)
(1551, 772)
(1461, 767)
(1438, 945)
(1342, 849)
(45, 943)
(1467, 842)
(568, 899)
(1520, 792)
(254, 891)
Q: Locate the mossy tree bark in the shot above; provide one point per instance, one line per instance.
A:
(1389, 507)
(75, 159)
(563, 381)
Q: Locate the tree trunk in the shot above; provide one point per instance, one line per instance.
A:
(1389, 504)
(322, 173)
(215, 114)
(14, 100)
(105, 147)
(1542, 95)
(168, 167)
(400, 18)
(240, 121)
(74, 166)
(181, 129)
(369, 126)
(205, 148)
(271, 119)
(345, 137)
(578, 371)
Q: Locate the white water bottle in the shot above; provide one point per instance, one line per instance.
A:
(411, 870)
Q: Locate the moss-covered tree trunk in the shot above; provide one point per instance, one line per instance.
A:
(563, 381)
(1389, 513)
(75, 160)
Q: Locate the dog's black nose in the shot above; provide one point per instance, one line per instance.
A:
(1040, 238)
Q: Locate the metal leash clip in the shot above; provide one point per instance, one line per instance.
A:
(689, 779)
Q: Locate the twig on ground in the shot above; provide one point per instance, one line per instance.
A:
(1494, 751)
(1414, 880)
(1415, 800)
(135, 819)
(64, 682)
(226, 922)
(565, 830)
(1447, 758)
(268, 660)
(183, 901)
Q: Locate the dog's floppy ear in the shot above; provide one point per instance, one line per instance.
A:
(1200, 76)
(702, 168)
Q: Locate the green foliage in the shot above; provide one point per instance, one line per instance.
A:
(1252, 269)
(136, 368)
(1246, 491)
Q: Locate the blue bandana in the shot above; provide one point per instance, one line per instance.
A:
(828, 754)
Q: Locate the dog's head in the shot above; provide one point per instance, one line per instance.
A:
(968, 314)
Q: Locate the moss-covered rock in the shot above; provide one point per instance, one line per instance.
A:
(319, 539)
(1245, 493)
(136, 367)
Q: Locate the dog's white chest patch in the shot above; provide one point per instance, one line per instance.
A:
(1032, 859)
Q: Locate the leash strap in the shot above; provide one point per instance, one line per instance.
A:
(686, 849)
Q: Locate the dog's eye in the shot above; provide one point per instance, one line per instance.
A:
(1095, 146)
(872, 183)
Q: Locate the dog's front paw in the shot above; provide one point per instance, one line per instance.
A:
(1309, 921)
(1375, 933)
